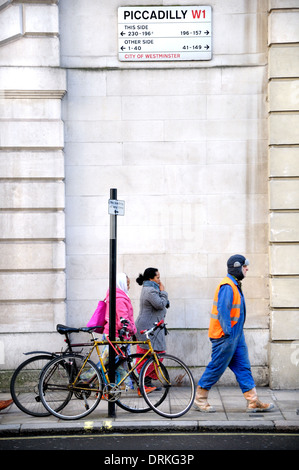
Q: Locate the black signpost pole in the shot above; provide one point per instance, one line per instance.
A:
(112, 297)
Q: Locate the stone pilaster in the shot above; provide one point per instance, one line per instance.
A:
(284, 191)
(32, 227)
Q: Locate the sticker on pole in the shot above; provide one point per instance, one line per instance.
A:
(165, 33)
(116, 207)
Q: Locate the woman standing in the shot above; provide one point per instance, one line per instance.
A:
(124, 310)
(124, 307)
(153, 305)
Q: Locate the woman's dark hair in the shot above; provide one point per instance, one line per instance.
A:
(149, 273)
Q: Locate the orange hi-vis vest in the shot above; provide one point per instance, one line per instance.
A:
(215, 330)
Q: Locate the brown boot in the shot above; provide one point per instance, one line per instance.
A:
(254, 404)
(201, 401)
(5, 403)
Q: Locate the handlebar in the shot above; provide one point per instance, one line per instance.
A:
(124, 331)
(157, 325)
(62, 329)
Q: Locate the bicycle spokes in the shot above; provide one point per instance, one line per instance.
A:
(63, 392)
(167, 386)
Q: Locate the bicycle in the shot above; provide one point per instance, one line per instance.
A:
(25, 379)
(72, 386)
(130, 401)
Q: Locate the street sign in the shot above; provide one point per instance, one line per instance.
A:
(165, 33)
(116, 207)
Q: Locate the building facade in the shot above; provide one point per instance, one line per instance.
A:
(205, 154)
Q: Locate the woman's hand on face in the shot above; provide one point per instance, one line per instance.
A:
(158, 280)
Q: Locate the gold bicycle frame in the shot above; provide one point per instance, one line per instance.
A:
(95, 346)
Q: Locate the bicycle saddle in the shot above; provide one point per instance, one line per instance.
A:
(62, 329)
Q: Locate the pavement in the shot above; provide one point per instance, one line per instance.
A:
(230, 416)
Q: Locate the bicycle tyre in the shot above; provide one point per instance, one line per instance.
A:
(66, 398)
(24, 385)
(131, 398)
(173, 386)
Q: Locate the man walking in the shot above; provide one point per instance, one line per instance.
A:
(229, 348)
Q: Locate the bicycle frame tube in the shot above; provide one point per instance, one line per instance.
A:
(119, 352)
(157, 364)
(84, 363)
(133, 368)
(96, 345)
(105, 372)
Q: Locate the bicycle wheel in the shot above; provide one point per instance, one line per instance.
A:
(69, 389)
(171, 391)
(131, 398)
(24, 385)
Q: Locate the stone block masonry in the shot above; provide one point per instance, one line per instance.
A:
(32, 220)
(283, 192)
(203, 153)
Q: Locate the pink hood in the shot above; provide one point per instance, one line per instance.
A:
(124, 309)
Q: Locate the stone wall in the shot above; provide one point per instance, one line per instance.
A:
(187, 146)
(32, 227)
(284, 192)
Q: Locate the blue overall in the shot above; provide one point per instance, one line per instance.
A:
(230, 350)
